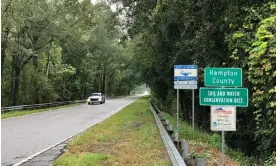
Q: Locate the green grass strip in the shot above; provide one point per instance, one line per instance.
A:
(130, 137)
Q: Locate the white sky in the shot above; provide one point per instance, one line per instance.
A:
(112, 6)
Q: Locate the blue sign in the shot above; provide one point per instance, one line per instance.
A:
(185, 72)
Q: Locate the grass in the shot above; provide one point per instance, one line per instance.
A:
(203, 144)
(25, 112)
(129, 137)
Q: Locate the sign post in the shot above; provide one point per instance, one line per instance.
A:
(177, 118)
(185, 77)
(193, 107)
(222, 148)
(223, 101)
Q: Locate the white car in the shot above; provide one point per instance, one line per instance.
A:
(96, 98)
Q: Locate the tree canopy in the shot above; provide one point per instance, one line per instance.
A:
(61, 50)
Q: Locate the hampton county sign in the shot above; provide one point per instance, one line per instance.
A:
(223, 77)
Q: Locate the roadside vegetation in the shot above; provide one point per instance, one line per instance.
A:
(130, 137)
(26, 112)
(210, 33)
(207, 145)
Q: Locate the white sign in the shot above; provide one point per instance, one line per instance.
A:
(185, 82)
(185, 86)
(185, 72)
(223, 118)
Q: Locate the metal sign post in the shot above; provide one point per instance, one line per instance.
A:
(222, 148)
(193, 105)
(185, 77)
(177, 118)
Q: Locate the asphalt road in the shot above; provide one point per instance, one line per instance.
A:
(26, 135)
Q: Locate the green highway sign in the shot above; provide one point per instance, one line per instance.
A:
(230, 77)
(223, 96)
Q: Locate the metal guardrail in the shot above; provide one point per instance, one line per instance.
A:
(35, 106)
(175, 156)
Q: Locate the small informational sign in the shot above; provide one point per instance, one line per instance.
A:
(185, 86)
(185, 72)
(223, 118)
(185, 82)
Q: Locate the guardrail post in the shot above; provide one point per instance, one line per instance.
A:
(166, 123)
(170, 129)
(200, 162)
(162, 119)
(184, 148)
(175, 140)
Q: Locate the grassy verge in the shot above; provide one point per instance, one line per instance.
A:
(25, 112)
(129, 137)
(203, 144)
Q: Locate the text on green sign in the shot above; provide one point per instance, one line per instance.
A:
(216, 80)
(224, 96)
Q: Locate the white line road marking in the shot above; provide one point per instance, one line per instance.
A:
(57, 116)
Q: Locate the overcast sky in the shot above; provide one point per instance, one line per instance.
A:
(112, 6)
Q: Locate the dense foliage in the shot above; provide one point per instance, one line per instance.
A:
(60, 50)
(236, 33)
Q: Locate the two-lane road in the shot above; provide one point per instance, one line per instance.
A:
(26, 135)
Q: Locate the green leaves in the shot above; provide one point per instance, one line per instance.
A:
(261, 71)
(215, 34)
(73, 46)
(238, 34)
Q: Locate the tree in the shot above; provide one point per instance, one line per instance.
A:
(59, 50)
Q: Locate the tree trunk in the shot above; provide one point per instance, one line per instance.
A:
(47, 66)
(15, 84)
(3, 56)
(110, 84)
(84, 92)
(16, 70)
(37, 96)
(95, 85)
(4, 45)
(103, 81)
(100, 82)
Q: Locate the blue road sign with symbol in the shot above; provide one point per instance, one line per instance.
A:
(185, 72)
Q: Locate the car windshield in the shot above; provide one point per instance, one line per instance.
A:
(96, 94)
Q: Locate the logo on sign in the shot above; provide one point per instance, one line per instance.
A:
(215, 124)
(220, 110)
(187, 72)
